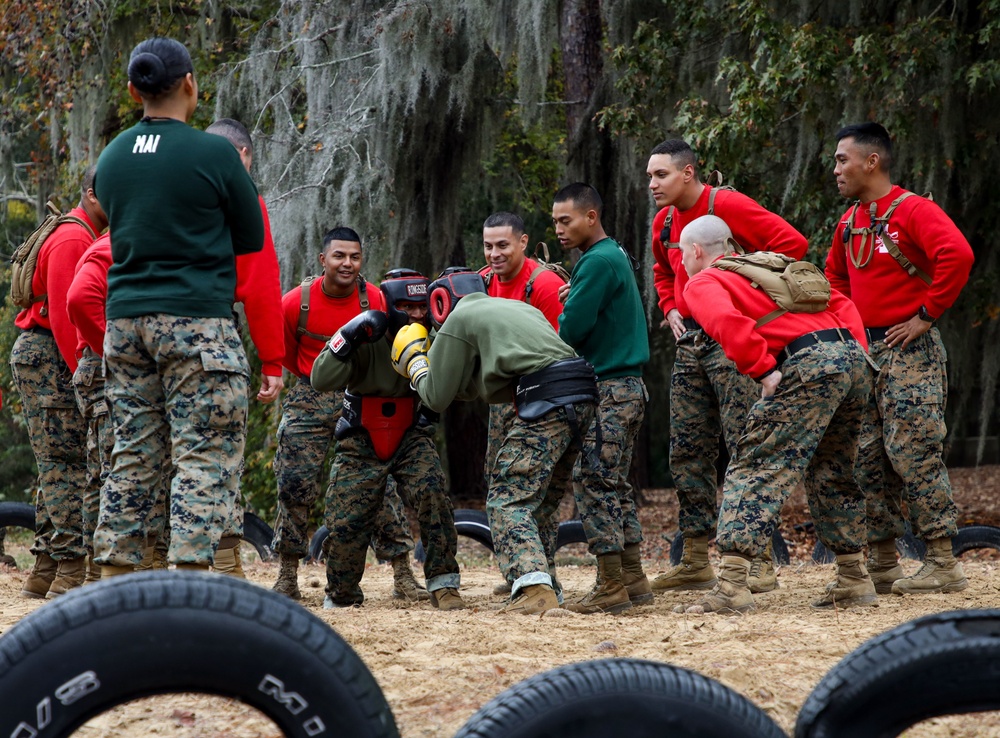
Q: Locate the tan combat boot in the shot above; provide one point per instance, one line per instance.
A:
(404, 584)
(609, 594)
(148, 554)
(694, 571)
(762, 576)
(447, 599)
(731, 594)
(193, 567)
(108, 571)
(853, 586)
(941, 572)
(288, 577)
(633, 577)
(227, 558)
(69, 575)
(93, 571)
(883, 566)
(533, 599)
(36, 586)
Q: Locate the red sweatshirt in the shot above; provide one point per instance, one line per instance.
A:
(53, 275)
(753, 227)
(883, 291)
(258, 287)
(544, 290)
(727, 307)
(326, 316)
(88, 295)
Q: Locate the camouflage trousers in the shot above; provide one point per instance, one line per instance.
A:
(501, 418)
(901, 458)
(177, 388)
(807, 431)
(305, 437)
(709, 398)
(532, 469)
(604, 496)
(58, 436)
(354, 501)
(88, 383)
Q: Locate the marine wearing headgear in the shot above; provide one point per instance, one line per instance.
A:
(451, 286)
(402, 285)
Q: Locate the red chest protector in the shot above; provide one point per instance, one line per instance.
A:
(385, 419)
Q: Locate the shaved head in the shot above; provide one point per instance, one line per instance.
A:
(710, 232)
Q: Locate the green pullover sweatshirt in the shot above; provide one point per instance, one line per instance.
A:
(181, 206)
(603, 318)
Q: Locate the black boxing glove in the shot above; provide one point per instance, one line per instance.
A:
(367, 327)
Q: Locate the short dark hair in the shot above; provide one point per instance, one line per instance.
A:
(87, 183)
(233, 131)
(872, 135)
(341, 233)
(503, 218)
(582, 196)
(157, 65)
(679, 152)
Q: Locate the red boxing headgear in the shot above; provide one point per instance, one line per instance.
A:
(453, 284)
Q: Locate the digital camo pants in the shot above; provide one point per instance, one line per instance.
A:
(58, 436)
(528, 481)
(807, 431)
(709, 398)
(177, 388)
(354, 501)
(305, 437)
(88, 383)
(604, 496)
(902, 442)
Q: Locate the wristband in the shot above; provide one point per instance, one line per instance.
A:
(924, 316)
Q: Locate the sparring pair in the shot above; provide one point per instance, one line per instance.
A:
(383, 430)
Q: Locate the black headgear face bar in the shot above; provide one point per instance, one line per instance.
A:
(402, 285)
(453, 284)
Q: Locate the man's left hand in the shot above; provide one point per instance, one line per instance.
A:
(270, 388)
(903, 334)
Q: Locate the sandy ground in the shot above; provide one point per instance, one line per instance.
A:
(437, 669)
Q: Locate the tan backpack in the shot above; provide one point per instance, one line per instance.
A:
(25, 257)
(796, 286)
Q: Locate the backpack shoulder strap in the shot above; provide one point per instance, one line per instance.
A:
(363, 293)
(78, 221)
(668, 225)
(881, 228)
(301, 330)
(530, 286)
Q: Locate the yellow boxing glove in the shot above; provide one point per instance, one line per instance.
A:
(409, 352)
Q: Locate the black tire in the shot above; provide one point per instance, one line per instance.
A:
(163, 632)
(17, 515)
(610, 697)
(260, 535)
(973, 537)
(469, 523)
(941, 664)
(570, 531)
(778, 545)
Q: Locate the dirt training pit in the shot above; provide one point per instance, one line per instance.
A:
(437, 669)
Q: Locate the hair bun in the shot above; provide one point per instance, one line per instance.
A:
(147, 71)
